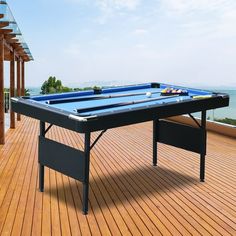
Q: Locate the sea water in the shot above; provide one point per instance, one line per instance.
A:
(230, 111)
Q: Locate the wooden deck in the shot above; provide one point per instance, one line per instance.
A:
(128, 196)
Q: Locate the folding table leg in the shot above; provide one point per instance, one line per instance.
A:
(155, 123)
(86, 173)
(203, 154)
(41, 167)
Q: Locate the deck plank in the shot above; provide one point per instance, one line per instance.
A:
(128, 196)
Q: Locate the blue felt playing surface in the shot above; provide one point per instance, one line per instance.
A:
(73, 106)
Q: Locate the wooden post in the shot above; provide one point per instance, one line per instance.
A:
(12, 88)
(2, 115)
(22, 78)
(18, 84)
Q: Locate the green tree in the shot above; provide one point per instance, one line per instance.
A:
(52, 85)
(27, 92)
(66, 89)
(227, 121)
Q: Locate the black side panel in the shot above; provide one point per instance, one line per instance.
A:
(179, 135)
(62, 158)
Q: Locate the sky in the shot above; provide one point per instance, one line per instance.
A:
(113, 42)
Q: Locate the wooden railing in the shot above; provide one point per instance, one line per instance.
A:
(6, 101)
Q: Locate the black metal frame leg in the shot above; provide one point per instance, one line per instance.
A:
(154, 130)
(86, 173)
(203, 154)
(202, 168)
(41, 167)
(41, 178)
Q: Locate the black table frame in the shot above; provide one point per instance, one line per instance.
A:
(52, 154)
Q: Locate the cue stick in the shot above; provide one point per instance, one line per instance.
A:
(121, 104)
(58, 101)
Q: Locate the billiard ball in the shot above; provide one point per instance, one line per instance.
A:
(148, 94)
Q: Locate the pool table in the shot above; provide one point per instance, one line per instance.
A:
(102, 109)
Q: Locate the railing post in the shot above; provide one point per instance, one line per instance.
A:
(2, 115)
(12, 88)
(6, 101)
(22, 78)
(18, 85)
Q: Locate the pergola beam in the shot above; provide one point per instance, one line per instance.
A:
(5, 31)
(11, 41)
(12, 48)
(9, 36)
(4, 24)
(13, 44)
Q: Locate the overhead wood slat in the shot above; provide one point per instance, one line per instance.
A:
(3, 24)
(9, 36)
(5, 31)
(11, 41)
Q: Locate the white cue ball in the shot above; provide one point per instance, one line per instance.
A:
(148, 94)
